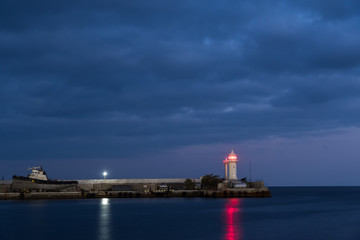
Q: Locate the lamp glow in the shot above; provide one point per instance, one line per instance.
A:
(105, 174)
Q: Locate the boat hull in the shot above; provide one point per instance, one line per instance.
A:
(24, 183)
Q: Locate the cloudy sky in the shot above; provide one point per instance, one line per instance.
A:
(167, 88)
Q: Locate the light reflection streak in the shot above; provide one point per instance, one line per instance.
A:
(104, 219)
(232, 220)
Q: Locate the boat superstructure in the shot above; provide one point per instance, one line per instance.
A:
(38, 173)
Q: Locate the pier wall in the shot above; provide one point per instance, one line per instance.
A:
(132, 181)
(243, 193)
(93, 185)
(126, 188)
(257, 184)
(5, 186)
(138, 185)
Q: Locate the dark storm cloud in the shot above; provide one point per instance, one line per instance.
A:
(100, 79)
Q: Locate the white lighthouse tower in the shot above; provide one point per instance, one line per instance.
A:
(230, 166)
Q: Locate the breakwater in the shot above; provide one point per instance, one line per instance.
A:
(245, 193)
(129, 188)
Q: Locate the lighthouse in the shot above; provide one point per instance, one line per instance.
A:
(230, 166)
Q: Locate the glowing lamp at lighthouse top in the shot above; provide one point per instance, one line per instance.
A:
(232, 157)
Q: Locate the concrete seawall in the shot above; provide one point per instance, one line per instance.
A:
(40, 195)
(127, 188)
(139, 185)
(136, 181)
(243, 193)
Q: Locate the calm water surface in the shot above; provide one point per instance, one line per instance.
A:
(292, 213)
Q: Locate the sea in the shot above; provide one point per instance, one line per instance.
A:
(291, 213)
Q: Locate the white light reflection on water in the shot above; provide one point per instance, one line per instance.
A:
(104, 201)
(232, 219)
(104, 220)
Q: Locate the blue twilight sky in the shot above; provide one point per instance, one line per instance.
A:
(167, 88)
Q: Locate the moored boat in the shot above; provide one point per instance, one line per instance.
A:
(38, 180)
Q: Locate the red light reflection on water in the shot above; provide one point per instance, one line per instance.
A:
(233, 226)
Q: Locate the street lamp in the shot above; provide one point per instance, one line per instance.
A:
(105, 174)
